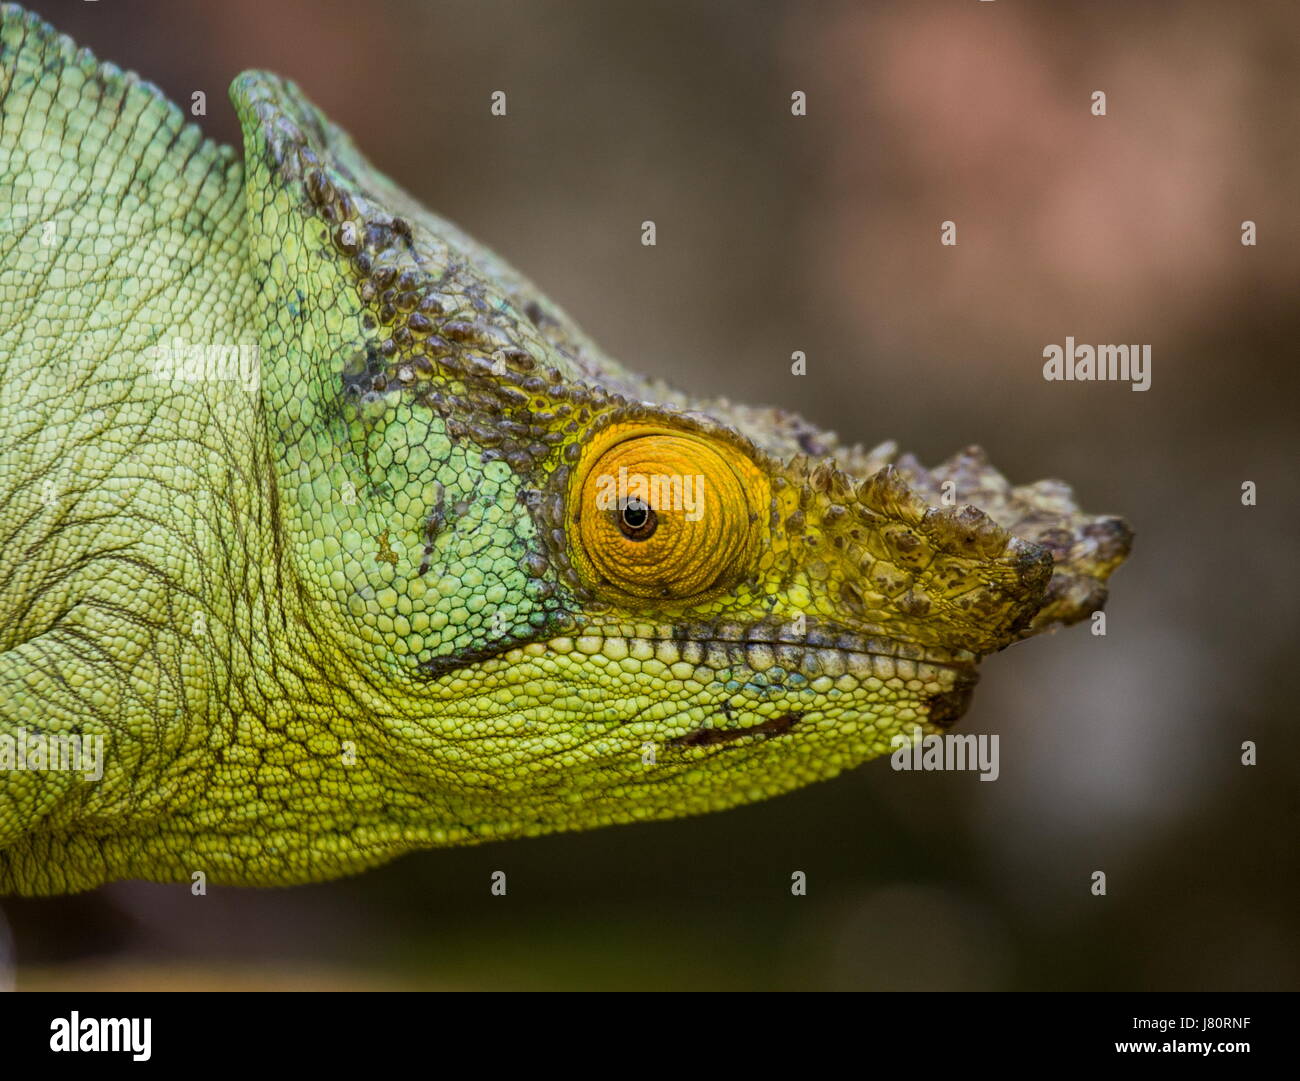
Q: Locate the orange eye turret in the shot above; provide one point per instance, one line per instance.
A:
(666, 514)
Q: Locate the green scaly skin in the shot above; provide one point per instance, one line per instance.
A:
(351, 611)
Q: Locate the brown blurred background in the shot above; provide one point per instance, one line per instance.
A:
(821, 234)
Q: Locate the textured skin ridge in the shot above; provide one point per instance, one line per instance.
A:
(346, 605)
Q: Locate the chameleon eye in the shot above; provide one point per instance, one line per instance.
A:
(665, 515)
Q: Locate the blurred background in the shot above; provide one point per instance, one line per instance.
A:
(775, 233)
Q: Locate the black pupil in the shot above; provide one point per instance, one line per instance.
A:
(636, 520)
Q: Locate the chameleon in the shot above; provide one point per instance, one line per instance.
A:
(342, 540)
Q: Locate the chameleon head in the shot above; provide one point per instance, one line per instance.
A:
(441, 571)
(549, 594)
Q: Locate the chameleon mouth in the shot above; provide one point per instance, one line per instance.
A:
(770, 653)
(774, 664)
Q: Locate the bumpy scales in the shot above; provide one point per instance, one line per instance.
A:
(346, 541)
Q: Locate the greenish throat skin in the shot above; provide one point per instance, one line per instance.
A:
(338, 539)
